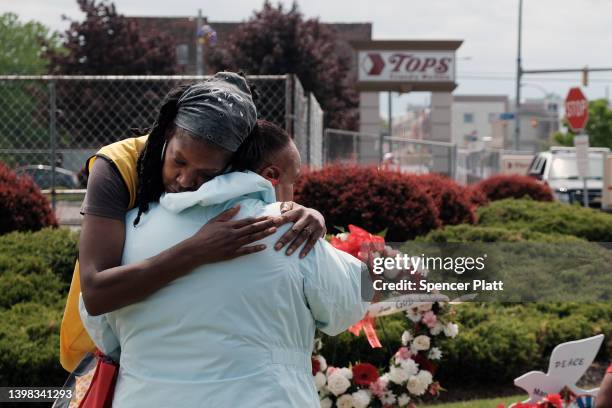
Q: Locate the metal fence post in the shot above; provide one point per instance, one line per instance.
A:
(289, 105)
(325, 147)
(453, 162)
(53, 138)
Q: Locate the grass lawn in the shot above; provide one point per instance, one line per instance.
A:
(481, 403)
(67, 197)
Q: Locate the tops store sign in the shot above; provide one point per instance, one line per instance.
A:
(404, 66)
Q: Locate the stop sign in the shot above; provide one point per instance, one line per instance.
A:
(576, 110)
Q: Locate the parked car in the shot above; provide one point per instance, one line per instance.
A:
(42, 176)
(558, 169)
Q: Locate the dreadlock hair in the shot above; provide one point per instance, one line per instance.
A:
(265, 140)
(150, 160)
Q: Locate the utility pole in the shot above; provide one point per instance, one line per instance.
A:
(519, 73)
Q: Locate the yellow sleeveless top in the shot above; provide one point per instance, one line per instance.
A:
(74, 340)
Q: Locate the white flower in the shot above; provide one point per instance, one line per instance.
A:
(326, 403)
(451, 330)
(435, 353)
(410, 366)
(406, 337)
(337, 384)
(388, 398)
(346, 372)
(437, 329)
(416, 386)
(343, 236)
(322, 362)
(425, 307)
(413, 314)
(398, 375)
(425, 377)
(403, 400)
(420, 343)
(320, 380)
(345, 401)
(361, 399)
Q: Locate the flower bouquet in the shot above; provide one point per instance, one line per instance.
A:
(409, 378)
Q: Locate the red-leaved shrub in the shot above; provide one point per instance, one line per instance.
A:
(451, 199)
(370, 198)
(514, 186)
(477, 197)
(22, 205)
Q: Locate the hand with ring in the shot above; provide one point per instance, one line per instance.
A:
(308, 227)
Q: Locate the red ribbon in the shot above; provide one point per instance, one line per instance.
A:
(367, 324)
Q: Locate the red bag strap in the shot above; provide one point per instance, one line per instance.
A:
(102, 388)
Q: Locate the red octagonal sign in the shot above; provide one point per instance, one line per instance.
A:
(576, 110)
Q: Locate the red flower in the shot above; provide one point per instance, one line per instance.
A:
(434, 389)
(316, 365)
(364, 374)
(424, 363)
(359, 240)
(551, 401)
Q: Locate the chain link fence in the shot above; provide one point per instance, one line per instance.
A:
(48, 122)
(406, 155)
(315, 133)
(414, 155)
(475, 165)
(343, 146)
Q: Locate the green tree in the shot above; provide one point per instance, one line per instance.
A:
(280, 41)
(24, 46)
(599, 127)
(23, 124)
(105, 42)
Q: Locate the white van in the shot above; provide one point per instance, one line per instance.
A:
(558, 169)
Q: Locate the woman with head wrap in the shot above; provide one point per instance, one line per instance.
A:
(197, 130)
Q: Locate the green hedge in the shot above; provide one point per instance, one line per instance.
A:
(55, 248)
(496, 342)
(45, 289)
(35, 273)
(29, 346)
(505, 341)
(499, 342)
(478, 233)
(533, 266)
(548, 218)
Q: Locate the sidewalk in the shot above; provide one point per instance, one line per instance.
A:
(67, 213)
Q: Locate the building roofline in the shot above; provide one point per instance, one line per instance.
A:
(193, 18)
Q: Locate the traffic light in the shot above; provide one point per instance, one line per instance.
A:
(585, 77)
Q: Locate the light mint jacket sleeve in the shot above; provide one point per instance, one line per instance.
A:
(100, 332)
(332, 285)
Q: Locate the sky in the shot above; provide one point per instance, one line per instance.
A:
(556, 34)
